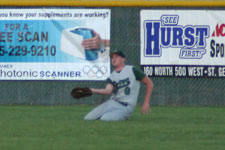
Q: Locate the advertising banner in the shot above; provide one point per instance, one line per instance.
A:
(54, 44)
(183, 43)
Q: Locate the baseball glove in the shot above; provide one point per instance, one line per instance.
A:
(81, 92)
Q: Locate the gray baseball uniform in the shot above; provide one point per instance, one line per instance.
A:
(124, 97)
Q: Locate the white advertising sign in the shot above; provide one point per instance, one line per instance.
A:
(183, 43)
(54, 44)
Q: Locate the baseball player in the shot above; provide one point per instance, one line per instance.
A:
(123, 85)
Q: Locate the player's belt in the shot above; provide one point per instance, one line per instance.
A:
(122, 103)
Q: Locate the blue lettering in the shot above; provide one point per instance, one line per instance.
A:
(166, 20)
(42, 73)
(190, 39)
(202, 33)
(67, 74)
(166, 33)
(55, 74)
(169, 19)
(177, 36)
(152, 37)
(47, 73)
(165, 36)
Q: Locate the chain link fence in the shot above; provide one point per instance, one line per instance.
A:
(125, 36)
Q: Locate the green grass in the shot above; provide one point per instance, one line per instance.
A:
(62, 128)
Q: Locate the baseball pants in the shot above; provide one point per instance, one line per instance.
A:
(110, 110)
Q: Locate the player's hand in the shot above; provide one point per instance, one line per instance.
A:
(146, 109)
(92, 43)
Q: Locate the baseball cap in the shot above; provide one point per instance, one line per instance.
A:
(120, 53)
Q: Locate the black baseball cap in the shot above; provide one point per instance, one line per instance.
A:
(120, 53)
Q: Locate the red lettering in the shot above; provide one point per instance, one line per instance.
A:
(219, 31)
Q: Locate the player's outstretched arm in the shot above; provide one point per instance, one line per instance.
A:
(107, 91)
(149, 87)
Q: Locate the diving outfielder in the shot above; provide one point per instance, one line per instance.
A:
(123, 85)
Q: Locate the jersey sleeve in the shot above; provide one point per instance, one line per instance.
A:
(139, 74)
(109, 81)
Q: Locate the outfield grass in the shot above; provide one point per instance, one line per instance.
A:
(62, 128)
